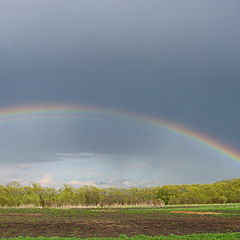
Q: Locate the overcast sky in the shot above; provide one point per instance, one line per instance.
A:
(177, 60)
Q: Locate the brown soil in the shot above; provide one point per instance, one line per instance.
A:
(115, 224)
(195, 212)
(24, 214)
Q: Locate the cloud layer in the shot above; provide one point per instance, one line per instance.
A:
(173, 59)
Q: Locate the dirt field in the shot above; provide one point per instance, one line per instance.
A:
(111, 222)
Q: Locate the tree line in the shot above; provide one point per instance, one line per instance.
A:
(15, 195)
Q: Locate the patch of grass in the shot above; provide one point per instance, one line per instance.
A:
(206, 236)
(227, 210)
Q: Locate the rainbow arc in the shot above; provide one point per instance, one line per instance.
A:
(27, 112)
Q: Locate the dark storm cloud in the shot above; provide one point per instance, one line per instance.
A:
(176, 59)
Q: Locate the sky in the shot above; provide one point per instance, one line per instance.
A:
(170, 59)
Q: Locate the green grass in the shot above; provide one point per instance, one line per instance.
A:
(206, 236)
(226, 210)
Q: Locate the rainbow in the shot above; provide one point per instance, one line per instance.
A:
(27, 112)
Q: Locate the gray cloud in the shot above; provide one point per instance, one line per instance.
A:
(167, 58)
(173, 59)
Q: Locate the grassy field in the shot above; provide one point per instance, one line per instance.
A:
(219, 236)
(226, 210)
(113, 222)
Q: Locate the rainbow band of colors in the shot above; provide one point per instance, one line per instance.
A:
(26, 112)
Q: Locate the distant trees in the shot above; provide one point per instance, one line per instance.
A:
(227, 191)
(14, 195)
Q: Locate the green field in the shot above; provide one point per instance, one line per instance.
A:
(227, 236)
(226, 210)
(215, 221)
